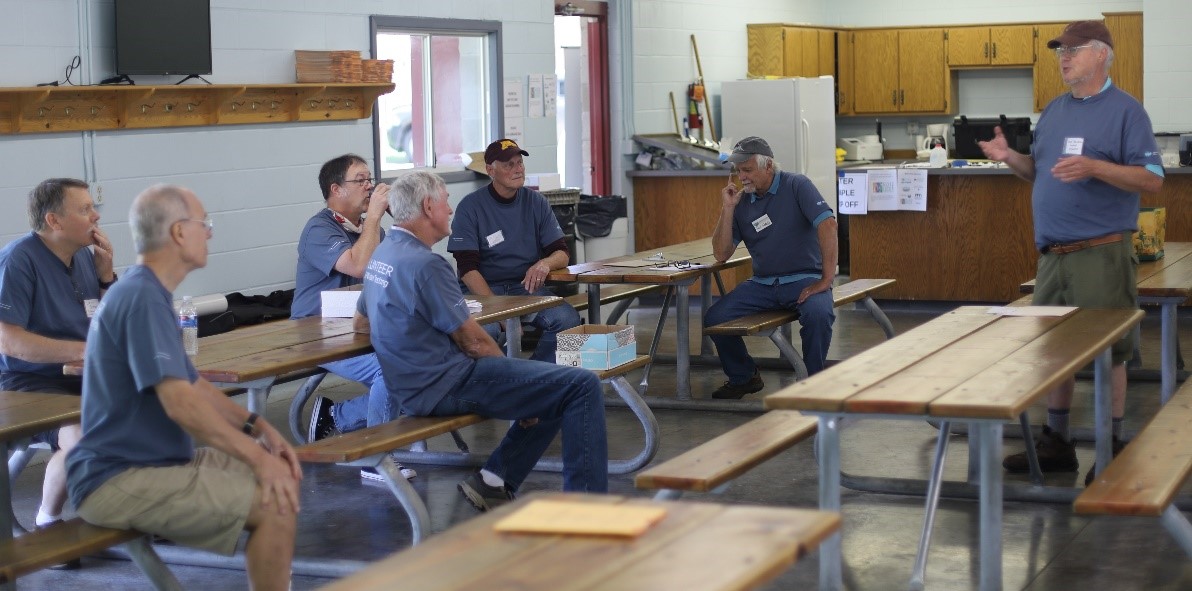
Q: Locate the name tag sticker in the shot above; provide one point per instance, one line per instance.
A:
(762, 223)
(495, 238)
(1073, 146)
(91, 305)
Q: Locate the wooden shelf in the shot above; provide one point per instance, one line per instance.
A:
(87, 108)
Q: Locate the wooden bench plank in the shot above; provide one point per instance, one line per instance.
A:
(853, 291)
(1145, 477)
(401, 432)
(827, 391)
(730, 455)
(858, 289)
(56, 544)
(638, 362)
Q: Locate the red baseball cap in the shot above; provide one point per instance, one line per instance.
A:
(502, 150)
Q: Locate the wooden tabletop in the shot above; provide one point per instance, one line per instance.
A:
(697, 252)
(697, 546)
(1168, 277)
(965, 364)
(26, 413)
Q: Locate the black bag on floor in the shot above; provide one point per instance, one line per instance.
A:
(597, 213)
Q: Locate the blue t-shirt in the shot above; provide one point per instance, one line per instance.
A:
(134, 344)
(323, 241)
(1109, 125)
(510, 235)
(43, 296)
(779, 227)
(414, 304)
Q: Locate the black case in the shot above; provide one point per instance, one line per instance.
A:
(968, 132)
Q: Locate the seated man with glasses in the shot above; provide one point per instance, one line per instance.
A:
(790, 232)
(506, 240)
(332, 252)
(51, 281)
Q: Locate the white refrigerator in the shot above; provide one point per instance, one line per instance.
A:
(796, 116)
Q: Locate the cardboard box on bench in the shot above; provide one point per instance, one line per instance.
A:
(596, 346)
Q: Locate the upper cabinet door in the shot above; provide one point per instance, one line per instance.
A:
(1048, 83)
(765, 50)
(875, 71)
(922, 73)
(1012, 46)
(827, 54)
(968, 46)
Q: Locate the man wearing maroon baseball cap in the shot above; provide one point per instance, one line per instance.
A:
(1094, 152)
(506, 240)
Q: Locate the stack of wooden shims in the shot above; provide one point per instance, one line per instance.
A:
(327, 66)
(376, 70)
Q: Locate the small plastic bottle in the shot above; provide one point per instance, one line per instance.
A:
(188, 320)
(939, 157)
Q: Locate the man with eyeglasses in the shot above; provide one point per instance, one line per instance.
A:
(145, 407)
(51, 281)
(790, 232)
(1094, 151)
(506, 240)
(332, 252)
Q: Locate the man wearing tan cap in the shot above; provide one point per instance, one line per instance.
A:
(506, 240)
(1094, 152)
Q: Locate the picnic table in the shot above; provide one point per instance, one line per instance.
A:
(966, 366)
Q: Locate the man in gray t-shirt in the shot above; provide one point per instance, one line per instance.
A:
(144, 406)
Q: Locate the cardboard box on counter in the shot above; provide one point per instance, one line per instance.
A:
(596, 346)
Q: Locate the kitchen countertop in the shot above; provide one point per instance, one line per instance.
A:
(963, 170)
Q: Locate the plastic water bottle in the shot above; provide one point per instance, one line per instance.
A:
(939, 157)
(188, 320)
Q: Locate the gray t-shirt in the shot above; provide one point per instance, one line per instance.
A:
(323, 241)
(414, 304)
(510, 235)
(134, 344)
(43, 296)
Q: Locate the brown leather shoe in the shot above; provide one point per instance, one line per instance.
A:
(1055, 455)
(731, 391)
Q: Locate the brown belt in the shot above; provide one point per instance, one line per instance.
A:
(1072, 247)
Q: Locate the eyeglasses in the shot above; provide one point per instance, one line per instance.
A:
(207, 221)
(1070, 51)
(367, 181)
(674, 264)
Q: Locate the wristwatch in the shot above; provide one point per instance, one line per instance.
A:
(107, 284)
(250, 424)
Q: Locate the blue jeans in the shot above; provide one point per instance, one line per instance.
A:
(565, 398)
(366, 410)
(816, 316)
(550, 321)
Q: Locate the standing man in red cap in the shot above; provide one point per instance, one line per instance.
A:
(1094, 152)
(506, 240)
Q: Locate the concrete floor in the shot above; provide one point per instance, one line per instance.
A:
(1046, 547)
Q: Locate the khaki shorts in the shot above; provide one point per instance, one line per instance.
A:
(1097, 277)
(203, 504)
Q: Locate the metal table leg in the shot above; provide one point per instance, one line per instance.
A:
(828, 442)
(1103, 405)
(513, 334)
(1169, 337)
(682, 344)
(705, 302)
(990, 434)
(933, 500)
(593, 303)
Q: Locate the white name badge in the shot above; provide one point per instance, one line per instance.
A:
(762, 223)
(91, 306)
(1073, 146)
(495, 238)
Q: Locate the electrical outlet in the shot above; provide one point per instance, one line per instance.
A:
(99, 194)
(912, 127)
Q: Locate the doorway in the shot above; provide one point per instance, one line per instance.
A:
(581, 65)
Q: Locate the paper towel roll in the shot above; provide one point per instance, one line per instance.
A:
(207, 304)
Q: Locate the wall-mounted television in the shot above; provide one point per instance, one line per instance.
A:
(163, 37)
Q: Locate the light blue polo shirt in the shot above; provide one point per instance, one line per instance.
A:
(134, 344)
(414, 304)
(42, 295)
(510, 235)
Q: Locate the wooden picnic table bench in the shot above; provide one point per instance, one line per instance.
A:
(1145, 477)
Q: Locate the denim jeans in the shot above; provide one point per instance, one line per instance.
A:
(816, 315)
(366, 410)
(550, 321)
(566, 398)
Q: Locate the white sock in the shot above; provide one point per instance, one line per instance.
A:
(491, 479)
(44, 518)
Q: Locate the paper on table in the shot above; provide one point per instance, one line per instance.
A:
(569, 517)
(474, 307)
(1032, 310)
(339, 304)
(632, 263)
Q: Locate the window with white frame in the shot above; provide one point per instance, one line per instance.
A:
(446, 100)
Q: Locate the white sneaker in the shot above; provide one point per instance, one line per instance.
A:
(373, 474)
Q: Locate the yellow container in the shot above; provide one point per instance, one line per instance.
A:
(1152, 228)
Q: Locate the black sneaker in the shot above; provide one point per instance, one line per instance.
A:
(322, 424)
(1118, 446)
(1055, 455)
(731, 391)
(72, 564)
(481, 495)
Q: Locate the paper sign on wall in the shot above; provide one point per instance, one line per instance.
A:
(515, 130)
(852, 195)
(513, 98)
(912, 189)
(550, 94)
(882, 188)
(534, 95)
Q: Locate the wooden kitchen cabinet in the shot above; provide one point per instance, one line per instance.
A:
(899, 71)
(781, 50)
(1012, 45)
(1048, 83)
(1126, 71)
